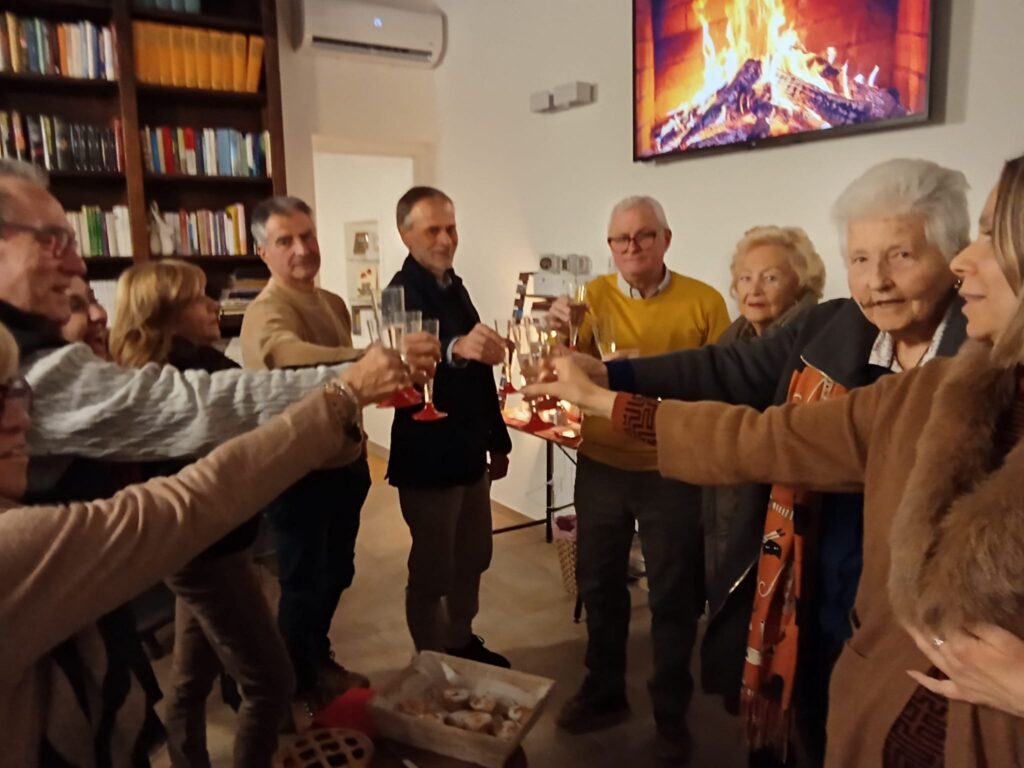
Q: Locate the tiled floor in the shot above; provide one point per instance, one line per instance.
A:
(525, 614)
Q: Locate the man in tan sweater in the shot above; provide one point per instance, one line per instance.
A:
(293, 323)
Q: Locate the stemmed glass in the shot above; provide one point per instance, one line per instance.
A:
(604, 336)
(533, 344)
(504, 329)
(577, 309)
(429, 411)
(392, 335)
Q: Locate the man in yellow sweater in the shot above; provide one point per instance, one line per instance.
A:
(651, 310)
(291, 324)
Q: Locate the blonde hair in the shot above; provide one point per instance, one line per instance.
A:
(1008, 242)
(809, 268)
(149, 298)
(8, 354)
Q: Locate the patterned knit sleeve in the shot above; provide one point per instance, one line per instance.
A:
(634, 415)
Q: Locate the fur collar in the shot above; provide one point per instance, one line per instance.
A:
(957, 539)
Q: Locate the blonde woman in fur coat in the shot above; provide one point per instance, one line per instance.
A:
(938, 453)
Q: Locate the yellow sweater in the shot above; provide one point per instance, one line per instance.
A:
(288, 328)
(687, 314)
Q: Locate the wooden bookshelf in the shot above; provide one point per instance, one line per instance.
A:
(137, 105)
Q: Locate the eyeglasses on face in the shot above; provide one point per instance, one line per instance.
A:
(15, 391)
(644, 239)
(54, 239)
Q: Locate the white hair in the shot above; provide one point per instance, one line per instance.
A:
(638, 201)
(904, 187)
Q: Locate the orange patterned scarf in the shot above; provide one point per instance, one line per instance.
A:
(770, 668)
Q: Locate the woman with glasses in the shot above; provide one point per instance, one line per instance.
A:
(64, 566)
(939, 455)
(222, 620)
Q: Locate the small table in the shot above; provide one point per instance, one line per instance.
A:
(567, 438)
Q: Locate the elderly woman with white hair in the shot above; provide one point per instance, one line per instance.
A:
(939, 454)
(900, 224)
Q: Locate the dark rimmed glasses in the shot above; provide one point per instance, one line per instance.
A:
(55, 239)
(645, 239)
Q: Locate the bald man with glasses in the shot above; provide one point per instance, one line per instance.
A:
(650, 310)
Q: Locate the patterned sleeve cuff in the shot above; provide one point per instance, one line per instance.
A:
(633, 415)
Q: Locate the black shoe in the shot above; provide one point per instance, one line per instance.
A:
(584, 713)
(475, 651)
(675, 746)
(334, 679)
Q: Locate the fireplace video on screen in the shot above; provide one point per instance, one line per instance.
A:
(719, 73)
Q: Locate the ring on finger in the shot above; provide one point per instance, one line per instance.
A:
(938, 642)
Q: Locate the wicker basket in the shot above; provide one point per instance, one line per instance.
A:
(325, 747)
(567, 561)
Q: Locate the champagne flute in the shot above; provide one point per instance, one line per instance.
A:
(604, 335)
(504, 329)
(392, 303)
(393, 334)
(577, 309)
(532, 345)
(429, 411)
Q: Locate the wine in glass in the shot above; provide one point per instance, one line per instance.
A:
(504, 329)
(429, 411)
(577, 309)
(393, 333)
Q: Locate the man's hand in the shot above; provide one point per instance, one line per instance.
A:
(481, 344)
(378, 374)
(559, 314)
(422, 351)
(499, 466)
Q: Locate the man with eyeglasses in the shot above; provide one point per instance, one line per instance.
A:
(648, 309)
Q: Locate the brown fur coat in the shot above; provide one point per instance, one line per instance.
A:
(958, 535)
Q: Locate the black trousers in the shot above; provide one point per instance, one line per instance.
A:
(608, 501)
(315, 524)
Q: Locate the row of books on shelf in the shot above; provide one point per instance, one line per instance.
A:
(69, 49)
(244, 286)
(203, 233)
(55, 144)
(188, 57)
(102, 233)
(185, 6)
(206, 151)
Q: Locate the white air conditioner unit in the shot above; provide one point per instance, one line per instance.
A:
(367, 29)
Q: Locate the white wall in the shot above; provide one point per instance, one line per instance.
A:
(526, 184)
(352, 188)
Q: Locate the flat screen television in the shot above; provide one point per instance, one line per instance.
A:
(713, 74)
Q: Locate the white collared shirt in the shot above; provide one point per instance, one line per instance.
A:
(883, 352)
(633, 293)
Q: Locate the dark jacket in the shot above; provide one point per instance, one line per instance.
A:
(186, 356)
(453, 451)
(835, 338)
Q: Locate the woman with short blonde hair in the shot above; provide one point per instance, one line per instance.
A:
(776, 275)
(149, 297)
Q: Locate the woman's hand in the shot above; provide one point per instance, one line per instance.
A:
(564, 379)
(985, 666)
(378, 374)
(422, 351)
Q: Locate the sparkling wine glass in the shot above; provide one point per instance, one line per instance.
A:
(533, 344)
(393, 332)
(504, 329)
(429, 411)
(577, 309)
(604, 336)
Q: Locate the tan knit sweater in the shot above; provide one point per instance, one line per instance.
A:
(285, 327)
(62, 567)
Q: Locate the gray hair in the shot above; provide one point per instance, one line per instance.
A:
(910, 187)
(639, 201)
(18, 170)
(275, 206)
